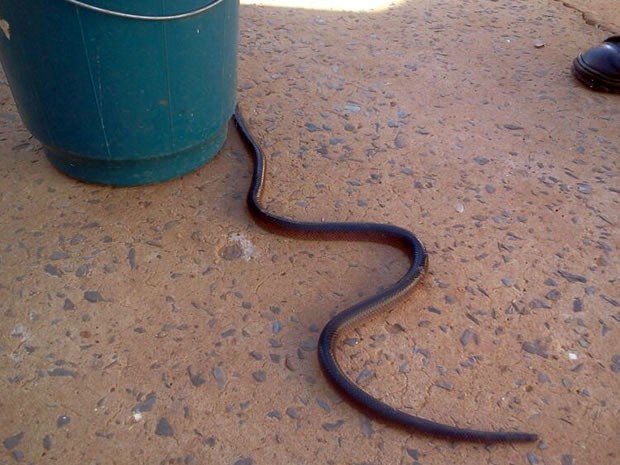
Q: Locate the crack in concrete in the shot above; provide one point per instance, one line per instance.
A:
(588, 17)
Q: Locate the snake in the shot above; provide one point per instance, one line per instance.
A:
(395, 236)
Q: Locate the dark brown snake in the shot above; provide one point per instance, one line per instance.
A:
(371, 232)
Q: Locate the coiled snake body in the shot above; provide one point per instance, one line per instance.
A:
(372, 232)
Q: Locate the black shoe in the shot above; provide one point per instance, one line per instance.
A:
(599, 67)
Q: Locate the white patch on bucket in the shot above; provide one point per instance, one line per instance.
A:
(6, 28)
(247, 247)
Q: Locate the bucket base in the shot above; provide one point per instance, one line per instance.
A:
(139, 171)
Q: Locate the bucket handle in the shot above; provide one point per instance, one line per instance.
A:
(121, 14)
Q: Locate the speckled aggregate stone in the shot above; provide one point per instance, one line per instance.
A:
(161, 325)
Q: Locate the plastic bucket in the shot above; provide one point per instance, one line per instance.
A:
(123, 93)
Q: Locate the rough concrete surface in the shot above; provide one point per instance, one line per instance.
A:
(160, 325)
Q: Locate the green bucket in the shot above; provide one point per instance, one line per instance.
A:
(123, 93)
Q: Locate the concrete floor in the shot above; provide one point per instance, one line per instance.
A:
(160, 325)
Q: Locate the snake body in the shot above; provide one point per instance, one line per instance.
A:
(372, 232)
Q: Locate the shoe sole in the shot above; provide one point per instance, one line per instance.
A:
(592, 78)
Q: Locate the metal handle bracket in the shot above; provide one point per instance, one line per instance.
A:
(121, 14)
